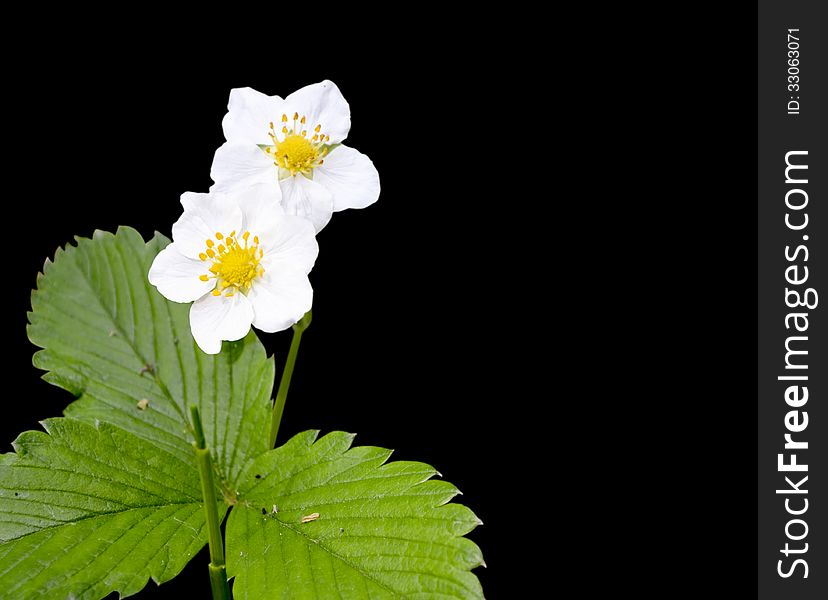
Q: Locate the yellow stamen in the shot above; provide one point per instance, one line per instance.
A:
(234, 267)
(295, 153)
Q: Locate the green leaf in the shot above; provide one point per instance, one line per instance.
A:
(111, 339)
(382, 530)
(88, 510)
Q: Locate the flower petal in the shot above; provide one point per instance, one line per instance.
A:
(307, 199)
(189, 200)
(280, 298)
(249, 114)
(283, 237)
(350, 176)
(259, 203)
(204, 215)
(177, 277)
(323, 104)
(217, 318)
(242, 164)
(289, 240)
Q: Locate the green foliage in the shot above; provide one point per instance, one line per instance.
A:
(85, 511)
(382, 531)
(111, 496)
(112, 340)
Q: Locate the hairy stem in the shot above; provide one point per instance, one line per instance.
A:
(218, 573)
(284, 384)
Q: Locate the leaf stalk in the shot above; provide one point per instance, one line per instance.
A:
(218, 572)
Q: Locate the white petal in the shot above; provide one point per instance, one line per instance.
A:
(203, 217)
(258, 204)
(189, 200)
(307, 199)
(217, 318)
(282, 237)
(238, 165)
(249, 116)
(280, 298)
(323, 104)
(177, 277)
(350, 176)
(288, 240)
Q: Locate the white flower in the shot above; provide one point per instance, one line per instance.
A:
(295, 144)
(241, 261)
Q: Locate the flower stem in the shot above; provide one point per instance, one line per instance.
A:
(218, 573)
(284, 384)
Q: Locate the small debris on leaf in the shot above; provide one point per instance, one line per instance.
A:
(143, 403)
(147, 368)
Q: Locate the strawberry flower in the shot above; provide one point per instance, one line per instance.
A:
(293, 147)
(241, 261)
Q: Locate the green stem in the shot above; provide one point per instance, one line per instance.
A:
(218, 573)
(218, 582)
(284, 384)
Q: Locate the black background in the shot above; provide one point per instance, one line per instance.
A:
(553, 301)
(416, 297)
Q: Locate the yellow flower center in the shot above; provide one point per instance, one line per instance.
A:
(233, 265)
(297, 153)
